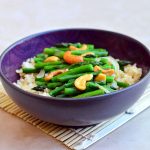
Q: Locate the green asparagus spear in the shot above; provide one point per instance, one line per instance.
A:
(41, 65)
(71, 91)
(90, 94)
(122, 84)
(50, 51)
(29, 70)
(110, 79)
(54, 85)
(57, 90)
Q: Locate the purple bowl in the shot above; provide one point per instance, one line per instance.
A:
(75, 112)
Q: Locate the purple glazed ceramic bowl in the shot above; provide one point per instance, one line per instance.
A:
(75, 112)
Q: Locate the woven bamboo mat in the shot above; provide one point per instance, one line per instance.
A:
(80, 138)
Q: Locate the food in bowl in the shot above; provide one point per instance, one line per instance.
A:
(76, 70)
(75, 111)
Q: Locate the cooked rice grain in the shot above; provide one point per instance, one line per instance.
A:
(130, 75)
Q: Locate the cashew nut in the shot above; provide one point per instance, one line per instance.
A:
(97, 68)
(108, 72)
(80, 83)
(100, 77)
(51, 58)
(54, 73)
(72, 59)
(84, 47)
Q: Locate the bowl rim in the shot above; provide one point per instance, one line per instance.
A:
(69, 99)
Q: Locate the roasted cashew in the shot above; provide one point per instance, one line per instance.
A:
(100, 77)
(108, 72)
(54, 73)
(80, 83)
(72, 59)
(97, 68)
(51, 58)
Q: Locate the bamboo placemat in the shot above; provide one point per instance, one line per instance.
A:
(80, 138)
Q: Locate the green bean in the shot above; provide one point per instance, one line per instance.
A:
(37, 59)
(41, 55)
(73, 76)
(69, 84)
(49, 68)
(96, 85)
(92, 85)
(79, 52)
(101, 82)
(81, 69)
(112, 67)
(104, 60)
(75, 65)
(57, 90)
(78, 65)
(90, 94)
(62, 66)
(67, 77)
(40, 83)
(50, 51)
(106, 66)
(39, 79)
(122, 84)
(59, 54)
(110, 79)
(41, 65)
(101, 53)
(91, 59)
(95, 63)
(29, 70)
(78, 45)
(71, 91)
(98, 52)
(86, 62)
(53, 85)
(71, 80)
(90, 46)
(52, 67)
(63, 49)
(102, 87)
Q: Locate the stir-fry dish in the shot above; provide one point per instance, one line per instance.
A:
(75, 70)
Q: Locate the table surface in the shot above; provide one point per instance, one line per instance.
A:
(20, 18)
